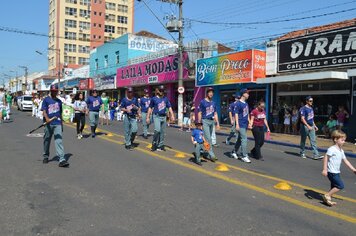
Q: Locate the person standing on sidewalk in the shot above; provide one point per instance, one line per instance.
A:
(158, 107)
(259, 121)
(35, 105)
(80, 109)
(94, 103)
(52, 114)
(242, 124)
(208, 116)
(145, 104)
(187, 109)
(308, 128)
(131, 108)
(104, 110)
(232, 118)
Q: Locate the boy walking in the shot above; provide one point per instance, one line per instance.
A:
(332, 163)
(198, 141)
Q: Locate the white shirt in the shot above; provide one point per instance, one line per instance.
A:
(335, 156)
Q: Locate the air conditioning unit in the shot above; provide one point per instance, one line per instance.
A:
(66, 28)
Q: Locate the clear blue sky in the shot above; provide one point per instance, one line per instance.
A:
(19, 49)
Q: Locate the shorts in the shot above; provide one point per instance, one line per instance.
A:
(186, 120)
(104, 114)
(335, 180)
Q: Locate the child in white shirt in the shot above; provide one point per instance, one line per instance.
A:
(332, 163)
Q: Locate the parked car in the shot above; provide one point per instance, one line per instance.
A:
(24, 103)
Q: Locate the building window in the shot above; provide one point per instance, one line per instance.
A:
(84, 25)
(106, 61)
(117, 53)
(109, 29)
(83, 49)
(108, 39)
(83, 61)
(71, 11)
(110, 17)
(94, 24)
(85, 2)
(70, 23)
(70, 35)
(122, 19)
(84, 13)
(94, 36)
(110, 6)
(70, 60)
(100, 13)
(99, 25)
(94, 13)
(84, 37)
(122, 8)
(70, 47)
(72, 1)
(96, 64)
(121, 30)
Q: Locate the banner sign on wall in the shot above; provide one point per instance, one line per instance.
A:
(239, 67)
(161, 70)
(333, 48)
(142, 43)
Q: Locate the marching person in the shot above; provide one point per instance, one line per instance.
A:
(104, 111)
(308, 128)
(158, 107)
(144, 105)
(207, 115)
(242, 119)
(80, 109)
(232, 118)
(259, 121)
(198, 142)
(130, 107)
(52, 114)
(9, 104)
(94, 103)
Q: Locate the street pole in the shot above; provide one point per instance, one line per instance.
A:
(59, 70)
(26, 74)
(180, 65)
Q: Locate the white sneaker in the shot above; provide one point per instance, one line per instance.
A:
(303, 156)
(227, 142)
(246, 159)
(78, 136)
(234, 155)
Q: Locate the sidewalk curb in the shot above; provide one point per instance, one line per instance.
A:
(348, 154)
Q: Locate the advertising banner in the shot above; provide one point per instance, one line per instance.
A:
(142, 43)
(333, 48)
(67, 112)
(151, 72)
(239, 67)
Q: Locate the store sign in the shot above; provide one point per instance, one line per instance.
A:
(336, 48)
(151, 72)
(239, 67)
(107, 82)
(149, 44)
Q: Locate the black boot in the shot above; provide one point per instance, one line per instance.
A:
(133, 136)
(92, 131)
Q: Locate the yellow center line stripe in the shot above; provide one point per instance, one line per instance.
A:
(244, 184)
(253, 172)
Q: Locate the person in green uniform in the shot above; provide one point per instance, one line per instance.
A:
(105, 109)
(9, 104)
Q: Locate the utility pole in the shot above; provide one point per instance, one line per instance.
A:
(26, 74)
(180, 65)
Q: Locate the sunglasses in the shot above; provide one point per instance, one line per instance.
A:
(310, 101)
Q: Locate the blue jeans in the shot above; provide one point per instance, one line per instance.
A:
(208, 126)
(232, 132)
(55, 130)
(93, 118)
(198, 148)
(144, 123)
(241, 141)
(130, 126)
(305, 132)
(160, 123)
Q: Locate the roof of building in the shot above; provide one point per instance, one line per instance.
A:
(149, 34)
(303, 32)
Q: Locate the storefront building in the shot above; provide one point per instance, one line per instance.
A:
(228, 74)
(150, 74)
(320, 62)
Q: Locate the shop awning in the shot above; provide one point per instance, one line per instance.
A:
(351, 72)
(304, 77)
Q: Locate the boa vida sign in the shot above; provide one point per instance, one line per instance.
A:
(335, 48)
(239, 67)
(152, 72)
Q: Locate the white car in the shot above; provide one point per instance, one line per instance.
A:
(24, 103)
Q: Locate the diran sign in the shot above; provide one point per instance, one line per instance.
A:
(336, 48)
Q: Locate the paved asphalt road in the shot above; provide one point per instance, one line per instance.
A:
(110, 191)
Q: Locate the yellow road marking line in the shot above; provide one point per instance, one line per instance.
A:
(244, 184)
(253, 172)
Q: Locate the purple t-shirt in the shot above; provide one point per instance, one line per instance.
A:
(53, 108)
(308, 114)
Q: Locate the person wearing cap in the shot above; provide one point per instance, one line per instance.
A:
(52, 115)
(130, 107)
(308, 128)
(232, 118)
(198, 141)
(208, 116)
(145, 104)
(242, 119)
(94, 103)
(158, 107)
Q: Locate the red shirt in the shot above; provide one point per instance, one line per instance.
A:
(259, 117)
